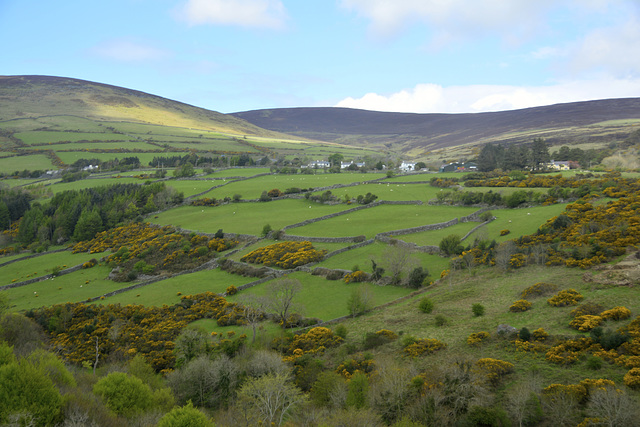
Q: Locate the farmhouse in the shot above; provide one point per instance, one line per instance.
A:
(407, 166)
(559, 165)
(458, 167)
(317, 164)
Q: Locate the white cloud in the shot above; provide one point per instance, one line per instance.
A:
(614, 50)
(269, 14)
(129, 51)
(454, 19)
(430, 98)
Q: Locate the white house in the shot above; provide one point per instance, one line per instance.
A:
(559, 165)
(318, 164)
(407, 166)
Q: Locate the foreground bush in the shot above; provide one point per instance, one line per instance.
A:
(565, 298)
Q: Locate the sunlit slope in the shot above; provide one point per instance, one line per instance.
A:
(24, 97)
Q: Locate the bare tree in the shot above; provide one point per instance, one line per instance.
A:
(281, 293)
(613, 407)
(504, 251)
(399, 262)
(254, 308)
(539, 253)
(271, 397)
(360, 301)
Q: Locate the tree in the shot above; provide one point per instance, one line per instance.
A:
(185, 416)
(124, 394)
(280, 301)
(360, 301)
(206, 382)
(357, 391)
(451, 245)
(399, 262)
(191, 343)
(88, 225)
(613, 407)
(5, 216)
(271, 398)
(539, 154)
(253, 311)
(336, 160)
(417, 276)
(27, 392)
(490, 157)
(184, 171)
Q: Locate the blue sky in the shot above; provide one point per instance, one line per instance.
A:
(418, 56)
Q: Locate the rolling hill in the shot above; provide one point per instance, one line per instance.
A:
(31, 97)
(599, 122)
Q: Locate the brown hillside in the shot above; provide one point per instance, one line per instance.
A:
(576, 122)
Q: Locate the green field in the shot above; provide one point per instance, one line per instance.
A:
(371, 221)
(244, 218)
(30, 162)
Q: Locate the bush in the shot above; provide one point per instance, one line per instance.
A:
(588, 308)
(477, 309)
(586, 323)
(524, 334)
(231, 290)
(266, 230)
(540, 334)
(451, 245)
(416, 277)
(422, 346)
(632, 378)
(441, 320)
(124, 394)
(539, 289)
(565, 297)
(520, 306)
(341, 331)
(477, 338)
(185, 416)
(616, 313)
(425, 305)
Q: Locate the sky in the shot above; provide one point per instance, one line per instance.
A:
(420, 56)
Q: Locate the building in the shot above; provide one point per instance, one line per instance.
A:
(407, 166)
(459, 167)
(559, 165)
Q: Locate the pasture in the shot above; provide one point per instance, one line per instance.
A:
(29, 162)
(244, 218)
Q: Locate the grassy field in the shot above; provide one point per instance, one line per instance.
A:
(40, 266)
(167, 291)
(245, 218)
(369, 222)
(326, 299)
(251, 189)
(60, 290)
(29, 162)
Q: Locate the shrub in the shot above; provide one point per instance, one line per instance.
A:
(422, 346)
(231, 290)
(539, 289)
(476, 338)
(494, 369)
(341, 331)
(372, 340)
(588, 307)
(477, 309)
(266, 230)
(632, 378)
(124, 394)
(441, 320)
(426, 305)
(504, 232)
(594, 363)
(616, 313)
(356, 276)
(451, 245)
(274, 193)
(565, 297)
(524, 334)
(520, 306)
(285, 255)
(417, 276)
(185, 416)
(540, 334)
(586, 323)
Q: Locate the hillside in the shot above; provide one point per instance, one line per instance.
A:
(25, 97)
(52, 122)
(601, 121)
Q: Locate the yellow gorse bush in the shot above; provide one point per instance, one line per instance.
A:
(520, 306)
(285, 255)
(565, 297)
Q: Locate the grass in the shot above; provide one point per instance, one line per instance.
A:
(237, 172)
(453, 299)
(30, 162)
(60, 290)
(389, 191)
(166, 291)
(326, 299)
(245, 218)
(41, 137)
(253, 188)
(372, 221)
(41, 265)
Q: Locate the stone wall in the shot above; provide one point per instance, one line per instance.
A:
(32, 256)
(420, 228)
(434, 250)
